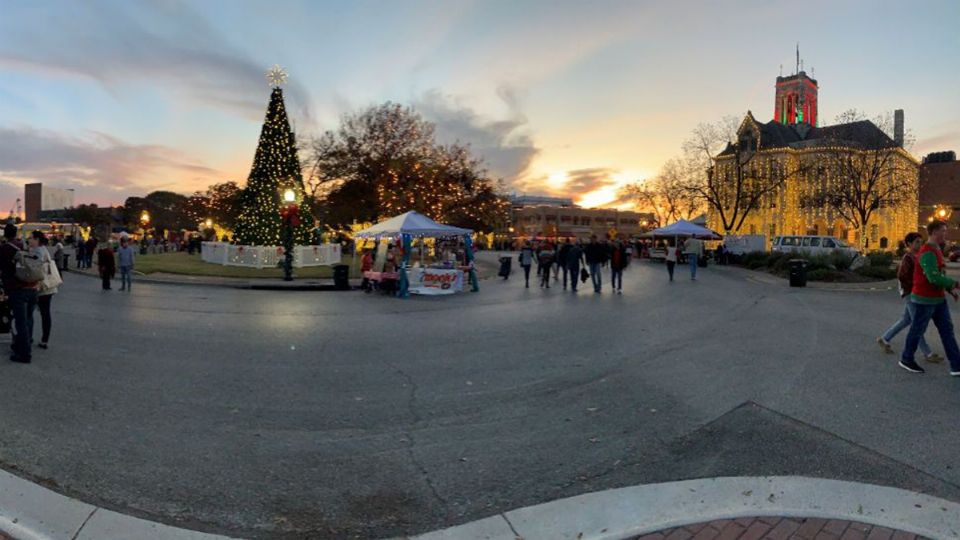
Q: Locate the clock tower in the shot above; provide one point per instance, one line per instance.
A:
(796, 98)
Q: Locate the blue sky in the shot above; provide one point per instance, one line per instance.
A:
(121, 98)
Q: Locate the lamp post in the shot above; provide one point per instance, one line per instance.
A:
(291, 218)
(144, 223)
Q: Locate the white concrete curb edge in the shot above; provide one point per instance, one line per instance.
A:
(29, 511)
(622, 513)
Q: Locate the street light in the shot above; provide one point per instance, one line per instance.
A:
(291, 219)
(209, 223)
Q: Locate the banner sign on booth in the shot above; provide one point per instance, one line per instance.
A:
(433, 281)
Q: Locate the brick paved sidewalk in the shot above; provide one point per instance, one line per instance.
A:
(778, 528)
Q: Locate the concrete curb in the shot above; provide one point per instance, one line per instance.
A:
(626, 512)
(29, 511)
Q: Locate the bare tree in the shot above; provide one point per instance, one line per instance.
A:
(725, 172)
(666, 195)
(868, 170)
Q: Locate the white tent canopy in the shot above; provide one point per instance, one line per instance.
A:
(412, 223)
(684, 228)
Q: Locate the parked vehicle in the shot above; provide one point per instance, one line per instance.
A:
(813, 245)
(740, 244)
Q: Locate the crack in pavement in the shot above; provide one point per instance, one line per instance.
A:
(84, 524)
(411, 440)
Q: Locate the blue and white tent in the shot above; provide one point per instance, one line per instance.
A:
(413, 223)
(684, 229)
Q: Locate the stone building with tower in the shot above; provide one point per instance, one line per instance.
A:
(802, 157)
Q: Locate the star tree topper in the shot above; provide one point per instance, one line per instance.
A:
(276, 76)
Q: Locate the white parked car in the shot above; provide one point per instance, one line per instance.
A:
(814, 245)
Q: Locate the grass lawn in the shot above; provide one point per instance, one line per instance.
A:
(193, 265)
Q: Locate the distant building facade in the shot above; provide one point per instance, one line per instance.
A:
(38, 198)
(940, 192)
(549, 222)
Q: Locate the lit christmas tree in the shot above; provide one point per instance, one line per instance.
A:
(276, 168)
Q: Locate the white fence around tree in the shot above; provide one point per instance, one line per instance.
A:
(268, 256)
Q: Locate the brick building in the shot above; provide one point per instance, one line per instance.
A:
(562, 221)
(940, 191)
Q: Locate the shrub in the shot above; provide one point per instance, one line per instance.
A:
(877, 272)
(881, 259)
(755, 259)
(825, 274)
(841, 261)
(780, 262)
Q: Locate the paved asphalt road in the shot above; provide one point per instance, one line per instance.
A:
(301, 414)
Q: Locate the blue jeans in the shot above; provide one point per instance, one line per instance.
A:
(595, 276)
(940, 314)
(574, 270)
(126, 282)
(904, 322)
(22, 304)
(692, 259)
(616, 278)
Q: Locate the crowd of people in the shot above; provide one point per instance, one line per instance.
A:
(575, 261)
(30, 278)
(923, 287)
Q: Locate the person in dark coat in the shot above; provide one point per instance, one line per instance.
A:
(619, 259)
(22, 296)
(562, 261)
(107, 265)
(574, 259)
(91, 249)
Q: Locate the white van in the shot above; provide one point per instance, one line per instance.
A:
(814, 245)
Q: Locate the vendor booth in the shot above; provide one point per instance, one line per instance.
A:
(676, 231)
(434, 278)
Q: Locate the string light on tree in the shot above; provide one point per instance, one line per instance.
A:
(275, 164)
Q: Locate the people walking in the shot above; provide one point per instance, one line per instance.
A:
(930, 283)
(526, 261)
(574, 260)
(619, 259)
(913, 241)
(671, 259)
(693, 249)
(39, 246)
(21, 291)
(595, 254)
(546, 263)
(125, 260)
(562, 266)
(106, 265)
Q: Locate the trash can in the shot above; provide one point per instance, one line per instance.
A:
(505, 263)
(798, 272)
(341, 277)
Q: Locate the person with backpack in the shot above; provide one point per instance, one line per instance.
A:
(913, 242)
(545, 259)
(21, 274)
(48, 287)
(106, 264)
(930, 284)
(526, 261)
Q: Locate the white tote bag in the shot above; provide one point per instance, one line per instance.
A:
(51, 276)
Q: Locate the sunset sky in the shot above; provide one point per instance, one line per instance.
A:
(572, 98)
